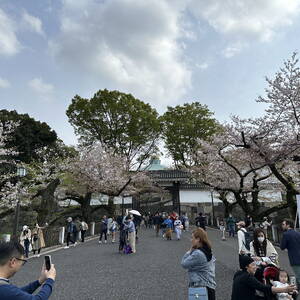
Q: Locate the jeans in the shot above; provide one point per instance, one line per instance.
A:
(82, 235)
(231, 230)
(26, 246)
(70, 239)
(105, 235)
(296, 269)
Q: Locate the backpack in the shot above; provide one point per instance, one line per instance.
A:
(248, 240)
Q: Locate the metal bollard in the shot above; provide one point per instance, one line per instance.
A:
(61, 238)
(92, 228)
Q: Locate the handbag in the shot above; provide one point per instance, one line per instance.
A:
(198, 293)
(127, 249)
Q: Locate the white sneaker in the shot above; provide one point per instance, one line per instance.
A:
(75, 244)
(66, 247)
(105, 242)
(100, 242)
(38, 255)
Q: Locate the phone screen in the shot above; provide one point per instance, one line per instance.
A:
(48, 262)
(292, 280)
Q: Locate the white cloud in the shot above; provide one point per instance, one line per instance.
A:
(259, 19)
(233, 49)
(32, 23)
(202, 66)
(131, 45)
(9, 44)
(42, 89)
(4, 83)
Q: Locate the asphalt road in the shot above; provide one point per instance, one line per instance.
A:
(94, 271)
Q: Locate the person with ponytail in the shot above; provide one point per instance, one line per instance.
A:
(200, 263)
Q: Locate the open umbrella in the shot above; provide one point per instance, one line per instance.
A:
(135, 212)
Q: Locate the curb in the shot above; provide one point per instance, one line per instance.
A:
(61, 247)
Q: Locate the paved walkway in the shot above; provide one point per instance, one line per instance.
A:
(93, 271)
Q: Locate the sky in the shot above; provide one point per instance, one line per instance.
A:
(164, 52)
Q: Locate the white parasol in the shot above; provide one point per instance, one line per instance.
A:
(135, 212)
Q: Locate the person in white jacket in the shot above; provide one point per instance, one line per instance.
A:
(262, 250)
(244, 248)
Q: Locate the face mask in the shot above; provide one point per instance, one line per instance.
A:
(260, 239)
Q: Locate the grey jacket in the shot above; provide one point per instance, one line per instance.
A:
(200, 270)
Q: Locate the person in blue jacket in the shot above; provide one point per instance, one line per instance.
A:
(291, 242)
(169, 228)
(11, 261)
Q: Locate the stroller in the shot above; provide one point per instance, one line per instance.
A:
(265, 274)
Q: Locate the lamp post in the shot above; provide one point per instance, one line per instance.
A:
(21, 172)
(212, 206)
(122, 206)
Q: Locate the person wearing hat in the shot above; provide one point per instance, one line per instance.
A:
(25, 239)
(70, 232)
(245, 284)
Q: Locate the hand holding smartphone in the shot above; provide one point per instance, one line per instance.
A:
(48, 262)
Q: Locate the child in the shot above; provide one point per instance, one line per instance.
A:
(283, 282)
(222, 229)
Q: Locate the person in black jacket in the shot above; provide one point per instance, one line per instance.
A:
(201, 221)
(157, 221)
(245, 284)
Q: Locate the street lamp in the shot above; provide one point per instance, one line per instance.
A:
(21, 172)
(212, 205)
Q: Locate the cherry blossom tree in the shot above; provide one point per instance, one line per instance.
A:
(233, 171)
(97, 170)
(9, 187)
(275, 138)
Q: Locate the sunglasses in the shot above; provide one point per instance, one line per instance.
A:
(20, 259)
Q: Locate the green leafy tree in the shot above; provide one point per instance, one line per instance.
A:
(183, 126)
(29, 136)
(118, 122)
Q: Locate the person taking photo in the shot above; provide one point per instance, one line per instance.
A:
(11, 261)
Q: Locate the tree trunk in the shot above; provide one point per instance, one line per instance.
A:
(291, 192)
(291, 200)
(48, 204)
(111, 207)
(85, 205)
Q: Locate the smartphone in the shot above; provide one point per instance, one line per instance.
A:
(48, 262)
(292, 280)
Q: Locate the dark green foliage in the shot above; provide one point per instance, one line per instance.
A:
(29, 136)
(183, 126)
(118, 121)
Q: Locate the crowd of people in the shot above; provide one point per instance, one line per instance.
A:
(259, 275)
